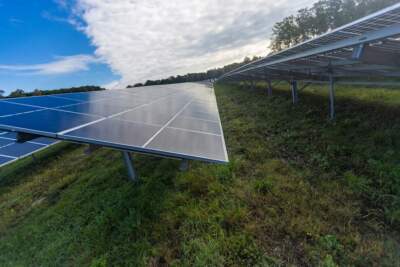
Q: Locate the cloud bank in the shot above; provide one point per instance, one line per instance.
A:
(61, 65)
(149, 39)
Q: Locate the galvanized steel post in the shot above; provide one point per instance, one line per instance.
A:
(269, 88)
(293, 85)
(129, 166)
(331, 98)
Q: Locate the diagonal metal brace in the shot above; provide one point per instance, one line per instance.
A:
(129, 166)
(184, 166)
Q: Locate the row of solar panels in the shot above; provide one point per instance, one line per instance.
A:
(368, 47)
(11, 150)
(180, 120)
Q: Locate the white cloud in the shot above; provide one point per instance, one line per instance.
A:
(61, 65)
(157, 38)
(112, 85)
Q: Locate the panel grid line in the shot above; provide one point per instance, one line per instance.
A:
(110, 117)
(168, 123)
(153, 121)
(193, 131)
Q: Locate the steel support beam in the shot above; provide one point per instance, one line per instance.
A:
(129, 166)
(269, 88)
(331, 98)
(295, 96)
(184, 166)
(252, 84)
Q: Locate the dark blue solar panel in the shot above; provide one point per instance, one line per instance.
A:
(4, 142)
(116, 132)
(10, 150)
(48, 122)
(4, 160)
(20, 149)
(11, 135)
(168, 120)
(43, 101)
(9, 108)
(44, 140)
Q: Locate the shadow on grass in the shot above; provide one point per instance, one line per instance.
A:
(81, 207)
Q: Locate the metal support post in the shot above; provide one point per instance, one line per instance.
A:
(331, 98)
(184, 166)
(269, 88)
(293, 85)
(129, 166)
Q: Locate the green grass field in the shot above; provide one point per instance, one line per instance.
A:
(300, 190)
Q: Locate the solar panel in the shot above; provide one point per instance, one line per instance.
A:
(7, 109)
(366, 47)
(180, 121)
(11, 151)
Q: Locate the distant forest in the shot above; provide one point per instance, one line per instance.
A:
(323, 16)
(37, 92)
(194, 77)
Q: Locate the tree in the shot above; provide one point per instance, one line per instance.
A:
(37, 92)
(2, 93)
(195, 77)
(17, 93)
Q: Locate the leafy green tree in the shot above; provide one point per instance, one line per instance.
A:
(17, 93)
(37, 92)
(195, 77)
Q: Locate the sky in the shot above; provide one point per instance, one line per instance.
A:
(49, 44)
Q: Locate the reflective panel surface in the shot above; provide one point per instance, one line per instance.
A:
(11, 151)
(43, 101)
(7, 109)
(196, 125)
(19, 149)
(5, 160)
(177, 120)
(189, 143)
(112, 131)
(47, 122)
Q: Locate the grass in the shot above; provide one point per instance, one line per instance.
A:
(299, 190)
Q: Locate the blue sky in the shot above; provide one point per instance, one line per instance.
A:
(49, 44)
(35, 33)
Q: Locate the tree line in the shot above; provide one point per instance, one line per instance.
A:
(195, 77)
(323, 16)
(38, 92)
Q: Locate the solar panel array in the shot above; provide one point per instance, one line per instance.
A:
(11, 150)
(367, 47)
(180, 121)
